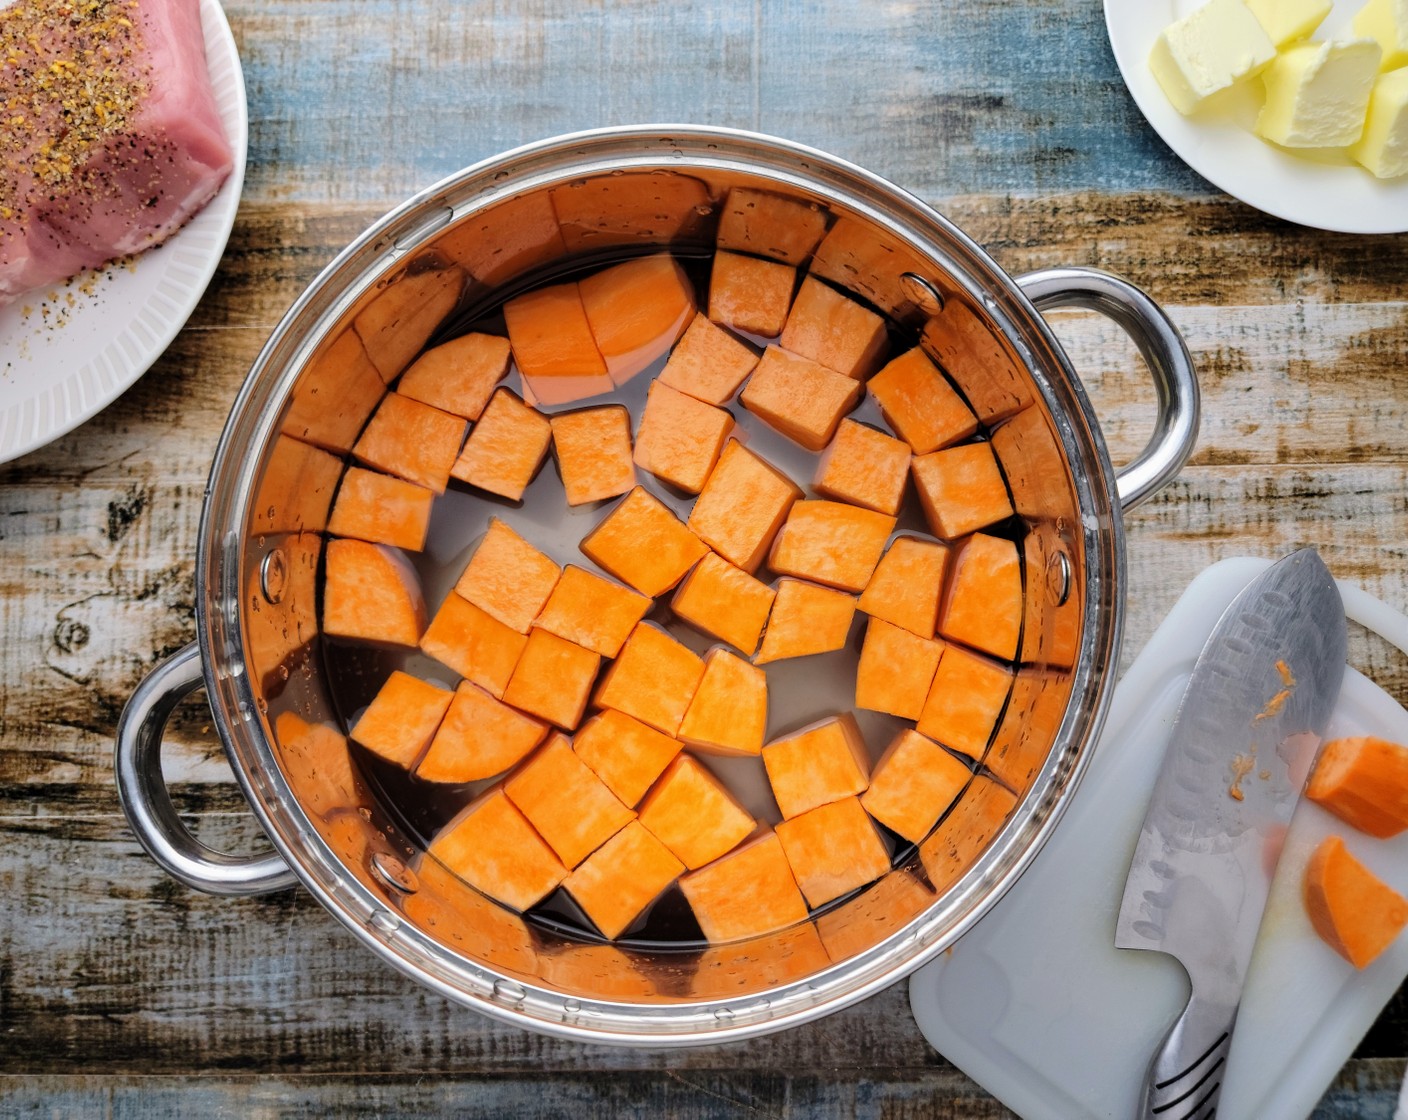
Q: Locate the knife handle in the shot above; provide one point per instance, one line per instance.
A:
(1185, 1076)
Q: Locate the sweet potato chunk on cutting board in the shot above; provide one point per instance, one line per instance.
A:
(833, 849)
(965, 699)
(961, 489)
(569, 805)
(914, 783)
(864, 467)
(553, 345)
(492, 847)
(620, 879)
(474, 644)
(835, 331)
(919, 403)
(832, 543)
(799, 397)
(412, 441)
(742, 506)
(636, 310)
(594, 453)
(624, 753)
(1355, 913)
(729, 712)
(371, 593)
(770, 225)
(750, 294)
(725, 602)
(553, 679)
(593, 612)
(983, 607)
(505, 449)
(402, 718)
(458, 376)
(907, 584)
(478, 738)
(376, 507)
(644, 544)
(896, 670)
(806, 619)
(747, 892)
(693, 815)
(1364, 782)
(680, 438)
(653, 679)
(507, 578)
(817, 765)
(708, 363)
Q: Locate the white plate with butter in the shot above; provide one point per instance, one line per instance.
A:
(1319, 188)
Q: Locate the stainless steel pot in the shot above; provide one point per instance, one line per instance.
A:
(409, 280)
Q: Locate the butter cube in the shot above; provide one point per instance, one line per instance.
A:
(1317, 94)
(1386, 22)
(1383, 148)
(1207, 51)
(1285, 21)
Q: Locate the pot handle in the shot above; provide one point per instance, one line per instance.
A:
(147, 802)
(1163, 348)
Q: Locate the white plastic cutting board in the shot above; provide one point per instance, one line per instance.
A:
(1038, 1006)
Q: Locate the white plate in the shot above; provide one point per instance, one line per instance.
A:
(1326, 192)
(103, 330)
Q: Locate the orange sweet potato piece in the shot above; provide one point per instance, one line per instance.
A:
(919, 403)
(708, 363)
(412, 441)
(745, 893)
(1355, 913)
(806, 619)
(594, 453)
(983, 607)
(642, 543)
(799, 397)
(914, 783)
(770, 225)
(404, 314)
(620, 879)
(653, 679)
(831, 542)
(961, 489)
(474, 644)
(505, 449)
(1364, 782)
(371, 592)
(569, 805)
(742, 506)
(493, 848)
(725, 602)
(750, 294)
(376, 507)
(680, 438)
(402, 718)
(835, 331)
(458, 376)
(966, 697)
(962, 836)
(864, 467)
(693, 815)
(729, 712)
(553, 344)
(896, 670)
(817, 765)
(593, 612)
(507, 578)
(833, 849)
(636, 310)
(907, 584)
(553, 679)
(624, 753)
(478, 738)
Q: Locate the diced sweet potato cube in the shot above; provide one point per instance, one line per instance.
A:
(708, 363)
(835, 330)
(725, 602)
(833, 849)
(591, 611)
(458, 376)
(594, 453)
(1355, 912)
(771, 225)
(907, 585)
(569, 805)
(817, 765)
(919, 403)
(653, 679)
(620, 879)
(729, 712)
(643, 543)
(983, 608)
(896, 670)
(961, 489)
(914, 782)
(553, 345)
(553, 679)
(508, 578)
(505, 449)
(861, 923)
(474, 644)
(376, 507)
(680, 438)
(624, 753)
(832, 543)
(742, 506)
(412, 441)
(371, 593)
(966, 832)
(397, 322)
(1363, 780)
(806, 619)
(402, 718)
(637, 309)
(693, 815)
(864, 467)
(478, 738)
(799, 397)
(966, 697)
(493, 848)
(750, 294)
(747, 892)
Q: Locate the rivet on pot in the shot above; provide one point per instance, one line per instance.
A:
(394, 873)
(1058, 578)
(505, 991)
(922, 292)
(273, 575)
(385, 921)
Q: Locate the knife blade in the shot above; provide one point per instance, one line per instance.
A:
(1243, 740)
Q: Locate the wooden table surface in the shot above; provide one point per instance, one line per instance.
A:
(123, 993)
